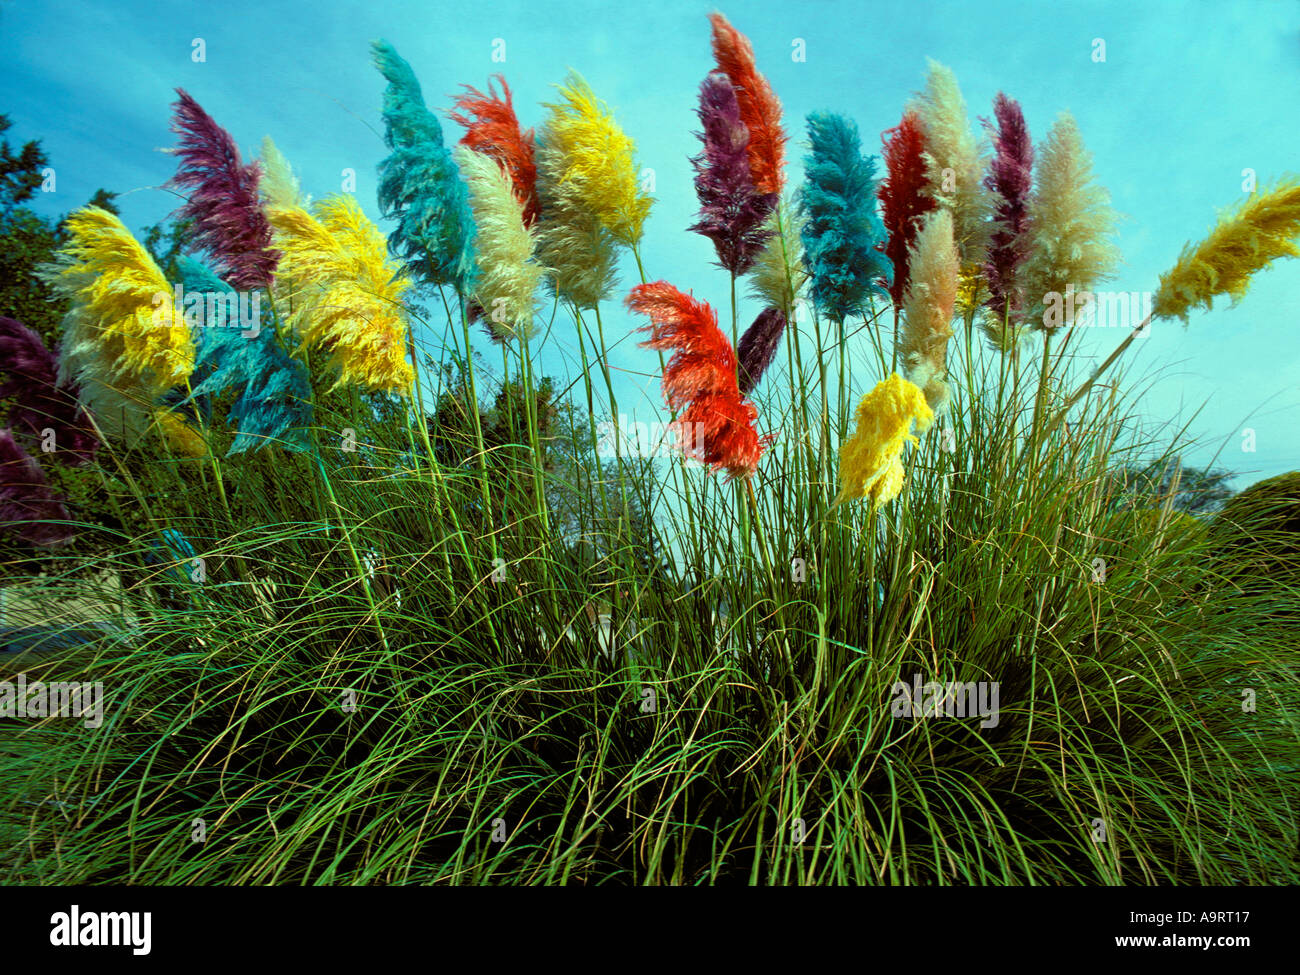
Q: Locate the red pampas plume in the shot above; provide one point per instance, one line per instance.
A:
(760, 109)
(902, 196)
(714, 421)
(492, 128)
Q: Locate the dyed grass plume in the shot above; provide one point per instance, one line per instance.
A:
(223, 200)
(699, 381)
(351, 295)
(842, 236)
(733, 214)
(871, 462)
(928, 306)
(760, 109)
(1244, 241)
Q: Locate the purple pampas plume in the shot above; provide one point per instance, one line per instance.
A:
(229, 224)
(758, 347)
(27, 507)
(38, 403)
(733, 214)
(1010, 178)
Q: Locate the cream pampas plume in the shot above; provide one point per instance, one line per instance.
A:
(123, 344)
(954, 162)
(1073, 226)
(778, 276)
(508, 276)
(580, 253)
(279, 186)
(928, 307)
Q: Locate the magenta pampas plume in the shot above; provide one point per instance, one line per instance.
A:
(37, 401)
(229, 225)
(758, 347)
(1010, 178)
(733, 214)
(27, 505)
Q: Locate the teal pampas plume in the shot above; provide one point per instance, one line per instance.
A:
(843, 234)
(273, 398)
(419, 184)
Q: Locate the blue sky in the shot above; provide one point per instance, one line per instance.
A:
(1190, 95)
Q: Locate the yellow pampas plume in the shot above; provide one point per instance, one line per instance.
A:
(182, 437)
(1245, 240)
(954, 163)
(1073, 225)
(871, 459)
(928, 306)
(597, 160)
(778, 276)
(123, 343)
(508, 277)
(349, 295)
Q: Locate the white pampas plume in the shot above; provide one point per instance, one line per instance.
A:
(506, 287)
(1073, 225)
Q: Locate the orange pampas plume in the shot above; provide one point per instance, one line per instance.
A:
(903, 196)
(492, 128)
(714, 423)
(760, 109)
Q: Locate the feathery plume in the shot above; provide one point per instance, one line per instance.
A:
(492, 128)
(871, 459)
(1072, 224)
(123, 344)
(38, 402)
(1246, 239)
(954, 162)
(181, 436)
(903, 196)
(419, 184)
(843, 234)
(278, 186)
(598, 159)
(760, 109)
(758, 347)
(28, 507)
(273, 398)
(579, 252)
(700, 379)
(1010, 180)
(508, 276)
(733, 214)
(778, 276)
(223, 201)
(354, 295)
(928, 307)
